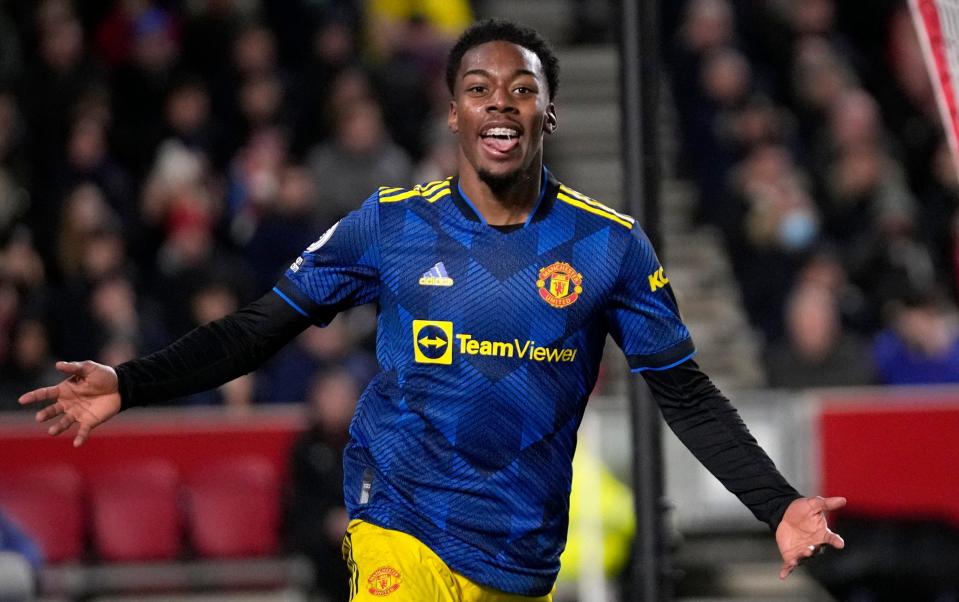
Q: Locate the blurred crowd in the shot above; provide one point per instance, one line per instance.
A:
(162, 162)
(812, 133)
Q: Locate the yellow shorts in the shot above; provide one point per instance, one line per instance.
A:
(391, 566)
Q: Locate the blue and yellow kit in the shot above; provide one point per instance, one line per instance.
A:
(489, 343)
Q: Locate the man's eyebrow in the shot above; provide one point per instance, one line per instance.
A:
(485, 73)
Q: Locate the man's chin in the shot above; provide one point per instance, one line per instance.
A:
(500, 181)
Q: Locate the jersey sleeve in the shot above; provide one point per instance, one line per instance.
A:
(643, 316)
(338, 271)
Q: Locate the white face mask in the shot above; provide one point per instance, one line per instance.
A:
(797, 230)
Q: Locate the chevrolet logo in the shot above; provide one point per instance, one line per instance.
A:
(658, 280)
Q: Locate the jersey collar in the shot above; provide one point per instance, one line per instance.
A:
(547, 197)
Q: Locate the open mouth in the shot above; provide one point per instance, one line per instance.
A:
(500, 140)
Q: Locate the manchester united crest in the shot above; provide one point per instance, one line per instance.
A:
(559, 284)
(384, 581)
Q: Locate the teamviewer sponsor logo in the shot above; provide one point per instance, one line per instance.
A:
(432, 342)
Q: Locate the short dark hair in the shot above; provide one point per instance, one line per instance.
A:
(495, 30)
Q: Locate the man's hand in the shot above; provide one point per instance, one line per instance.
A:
(89, 397)
(803, 531)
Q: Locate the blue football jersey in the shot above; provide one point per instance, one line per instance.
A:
(489, 343)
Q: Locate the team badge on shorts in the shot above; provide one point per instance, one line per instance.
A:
(559, 284)
(384, 581)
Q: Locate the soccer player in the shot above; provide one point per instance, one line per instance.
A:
(496, 290)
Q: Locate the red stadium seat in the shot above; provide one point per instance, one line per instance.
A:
(46, 501)
(233, 508)
(135, 512)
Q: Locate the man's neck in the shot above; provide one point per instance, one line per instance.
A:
(507, 205)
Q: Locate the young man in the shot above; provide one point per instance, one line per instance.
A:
(496, 291)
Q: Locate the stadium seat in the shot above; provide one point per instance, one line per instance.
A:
(46, 502)
(136, 512)
(233, 508)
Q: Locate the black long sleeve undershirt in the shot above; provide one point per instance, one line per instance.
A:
(703, 419)
(212, 354)
(710, 427)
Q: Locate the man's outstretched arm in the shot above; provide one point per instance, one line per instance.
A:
(708, 424)
(204, 358)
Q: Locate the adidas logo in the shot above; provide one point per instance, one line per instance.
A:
(436, 276)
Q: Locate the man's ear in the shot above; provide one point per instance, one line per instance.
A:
(550, 124)
(451, 118)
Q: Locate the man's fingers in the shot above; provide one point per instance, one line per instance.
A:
(71, 368)
(795, 558)
(51, 411)
(833, 503)
(834, 540)
(41, 394)
(82, 434)
(61, 425)
(786, 569)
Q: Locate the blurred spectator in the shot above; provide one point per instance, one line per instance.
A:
(405, 80)
(908, 98)
(771, 224)
(819, 77)
(20, 562)
(52, 85)
(188, 117)
(940, 217)
(261, 101)
(861, 196)
(285, 227)
(707, 25)
(88, 160)
(85, 212)
(82, 310)
(114, 311)
(893, 263)
(254, 181)
(183, 209)
(286, 377)
(29, 364)
(248, 94)
(20, 263)
(254, 52)
(921, 344)
(388, 20)
(816, 352)
(439, 161)
(351, 86)
(725, 85)
(177, 190)
(357, 161)
(209, 31)
(316, 517)
(189, 260)
(212, 301)
(139, 87)
(116, 31)
(863, 185)
(334, 49)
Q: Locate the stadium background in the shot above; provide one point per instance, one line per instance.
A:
(162, 162)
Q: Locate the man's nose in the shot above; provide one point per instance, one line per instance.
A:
(501, 100)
